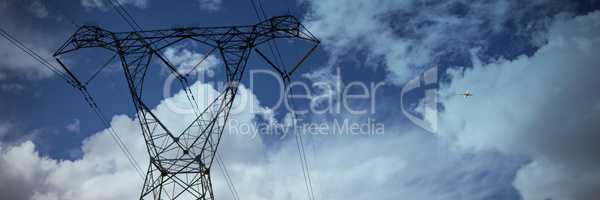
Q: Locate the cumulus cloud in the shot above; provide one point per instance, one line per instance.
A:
(373, 167)
(543, 106)
(342, 168)
(21, 167)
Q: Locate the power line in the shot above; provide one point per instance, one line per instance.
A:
(128, 18)
(302, 153)
(115, 135)
(75, 84)
(106, 64)
(298, 136)
(34, 55)
(271, 43)
(256, 11)
(262, 9)
(228, 180)
(118, 8)
(91, 102)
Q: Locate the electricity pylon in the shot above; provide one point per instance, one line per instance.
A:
(180, 162)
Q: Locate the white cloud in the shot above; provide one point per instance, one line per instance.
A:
(38, 9)
(327, 85)
(186, 59)
(16, 61)
(12, 87)
(544, 106)
(75, 126)
(18, 21)
(210, 5)
(4, 128)
(548, 179)
(409, 36)
(103, 4)
(21, 167)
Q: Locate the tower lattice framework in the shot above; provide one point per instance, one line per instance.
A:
(180, 162)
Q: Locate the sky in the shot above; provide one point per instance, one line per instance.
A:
(385, 85)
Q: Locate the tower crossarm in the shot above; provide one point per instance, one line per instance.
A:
(272, 28)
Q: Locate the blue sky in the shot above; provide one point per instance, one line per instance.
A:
(525, 134)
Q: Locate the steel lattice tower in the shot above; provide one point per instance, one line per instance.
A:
(180, 162)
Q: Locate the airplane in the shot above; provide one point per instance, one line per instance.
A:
(466, 94)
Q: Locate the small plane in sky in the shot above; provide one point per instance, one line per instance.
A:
(466, 94)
